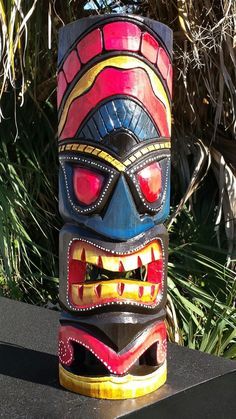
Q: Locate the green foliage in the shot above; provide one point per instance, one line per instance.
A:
(202, 290)
(28, 200)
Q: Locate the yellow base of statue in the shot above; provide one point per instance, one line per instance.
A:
(111, 387)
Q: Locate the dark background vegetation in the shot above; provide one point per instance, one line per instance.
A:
(201, 279)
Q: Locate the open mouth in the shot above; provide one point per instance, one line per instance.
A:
(98, 277)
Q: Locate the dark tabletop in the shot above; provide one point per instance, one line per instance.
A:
(198, 385)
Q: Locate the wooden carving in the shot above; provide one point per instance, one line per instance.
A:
(114, 104)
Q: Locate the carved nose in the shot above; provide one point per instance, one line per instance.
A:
(121, 220)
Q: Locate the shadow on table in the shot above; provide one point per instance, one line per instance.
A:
(27, 364)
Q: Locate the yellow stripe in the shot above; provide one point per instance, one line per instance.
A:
(146, 150)
(109, 289)
(123, 62)
(107, 157)
(96, 151)
(113, 387)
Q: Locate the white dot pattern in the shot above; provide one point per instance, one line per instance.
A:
(132, 175)
(70, 348)
(91, 163)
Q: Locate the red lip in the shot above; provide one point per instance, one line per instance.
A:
(117, 363)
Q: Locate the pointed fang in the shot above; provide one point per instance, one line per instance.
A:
(81, 291)
(121, 267)
(83, 256)
(120, 288)
(140, 263)
(98, 290)
(99, 263)
(153, 287)
(140, 292)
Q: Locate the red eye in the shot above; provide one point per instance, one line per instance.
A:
(150, 181)
(87, 185)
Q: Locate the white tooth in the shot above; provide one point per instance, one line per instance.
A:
(98, 290)
(145, 257)
(156, 252)
(76, 253)
(111, 263)
(128, 263)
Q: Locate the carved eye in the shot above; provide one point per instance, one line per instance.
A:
(87, 185)
(149, 180)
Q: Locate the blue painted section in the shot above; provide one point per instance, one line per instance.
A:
(117, 114)
(121, 110)
(121, 220)
(94, 130)
(111, 109)
(108, 121)
(85, 133)
(100, 124)
(138, 112)
(129, 108)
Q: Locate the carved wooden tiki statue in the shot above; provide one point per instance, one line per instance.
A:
(114, 94)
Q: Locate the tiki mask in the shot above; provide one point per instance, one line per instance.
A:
(114, 94)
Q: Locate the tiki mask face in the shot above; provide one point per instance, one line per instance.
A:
(114, 89)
